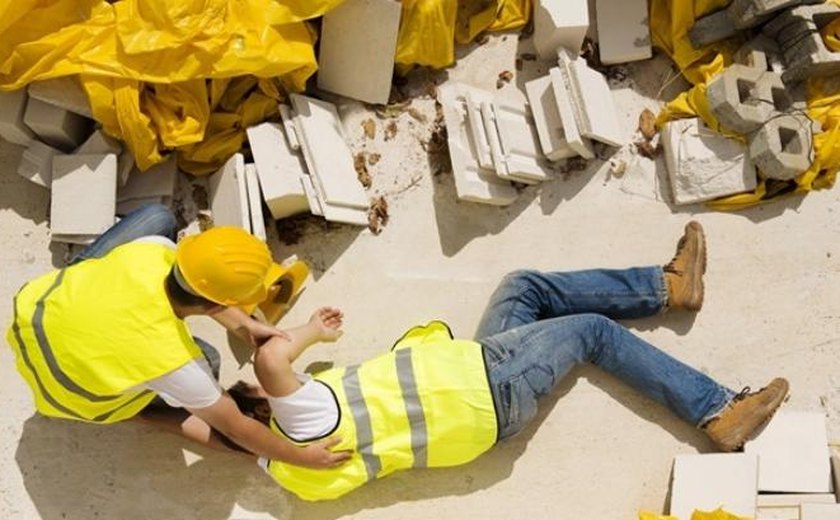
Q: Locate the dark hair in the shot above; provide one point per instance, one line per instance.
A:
(181, 297)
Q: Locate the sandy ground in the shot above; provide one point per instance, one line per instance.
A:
(597, 450)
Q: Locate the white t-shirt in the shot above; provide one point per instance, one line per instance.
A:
(308, 413)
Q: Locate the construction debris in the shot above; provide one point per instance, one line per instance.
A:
(739, 15)
(83, 197)
(55, 126)
(65, 92)
(36, 163)
(12, 110)
(781, 148)
(252, 186)
(647, 124)
(157, 185)
(360, 164)
(797, 31)
(623, 31)
(560, 24)
(279, 169)
(229, 195)
(378, 215)
(711, 481)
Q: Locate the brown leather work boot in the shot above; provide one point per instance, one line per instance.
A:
(684, 273)
(745, 414)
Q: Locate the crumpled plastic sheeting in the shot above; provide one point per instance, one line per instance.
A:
(145, 65)
(670, 22)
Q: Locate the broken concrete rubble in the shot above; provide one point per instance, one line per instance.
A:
(83, 195)
(12, 110)
(760, 53)
(55, 126)
(279, 169)
(623, 31)
(781, 148)
(560, 24)
(591, 100)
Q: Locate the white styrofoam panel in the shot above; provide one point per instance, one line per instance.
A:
(592, 101)
(710, 481)
(279, 169)
(546, 115)
(520, 143)
(560, 84)
(83, 194)
(478, 130)
(623, 31)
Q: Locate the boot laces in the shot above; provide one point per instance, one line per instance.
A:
(671, 267)
(744, 393)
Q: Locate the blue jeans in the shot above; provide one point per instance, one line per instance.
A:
(150, 220)
(538, 326)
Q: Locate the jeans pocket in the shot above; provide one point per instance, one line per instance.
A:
(518, 406)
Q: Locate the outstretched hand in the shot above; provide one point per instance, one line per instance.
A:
(328, 322)
(318, 455)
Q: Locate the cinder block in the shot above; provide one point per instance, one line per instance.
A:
(36, 163)
(252, 184)
(797, 31)
(760, 53)
(704, 165)
(358, 41)
(707, 482)
(794, 454)
(327, 155)
(736, 99)
(279, 170)
(158, 181)
(12, 109)
(561, 86)
(547, 119)
(55, 126)
(781, 149)
(472, 182)
(820, 512)
(712, 28)
(592, 101)
(83, 194)
(514, 142)
(229, 195)
(623, 30)
(739, 15)
(65, 92)
(560, 24)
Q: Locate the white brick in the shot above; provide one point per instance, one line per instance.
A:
(794, 499)
(561, 88)
(328, 157)
(546, 115)
(311, 195)
(36, 163)
(472, 183)
(820, 512)
(592, 101)
(229, 195)
(707, 482)
(345, 215)
(704, 165)
(519, 144)
(623, 31)
(560, 24)
(794, 454)
(12, 109)
(252, 184)
(157, 181)
(65, 92)
(56, 126)
(358, 43)
(83, 194)
(98, 143)
(279, 169)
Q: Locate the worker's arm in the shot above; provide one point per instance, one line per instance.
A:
(255, 437)
(248, 329)
(273, 360)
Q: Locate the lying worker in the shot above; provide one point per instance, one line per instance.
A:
(99, 339)
(437, 401)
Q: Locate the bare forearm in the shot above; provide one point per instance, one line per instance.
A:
(256, 438)
(232, 318)
(302, 338)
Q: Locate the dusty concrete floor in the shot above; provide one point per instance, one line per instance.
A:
(598, 450)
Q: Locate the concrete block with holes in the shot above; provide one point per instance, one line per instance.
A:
(797, 31)
(742, 98)
(739, 15)
(760, 53)
(12, 109)
(781, 148)
(560, 25)
(55, 126)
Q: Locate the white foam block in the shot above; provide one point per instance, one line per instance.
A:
(36, 163)
(327, 155)
(623, 31)
(592, 101)
(55, 126)
(356, 57)
(546, 115)
(560, 84)
(523, 159)
(83, 194)
(707, 482)
(820, 512)
(157, 181)
(229, 195)
(560, 24)
(65, 92)
(279, 169)
(12, 110)
(478, 131)
(252, 185)
(704, 165)
(794, 454)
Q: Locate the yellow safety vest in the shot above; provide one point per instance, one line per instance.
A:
(427, 403)
(87, 335)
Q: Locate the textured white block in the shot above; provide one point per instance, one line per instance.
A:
(83, 194)
(592, 101)
(358, 42)
(519, 144)
(707, 482)
(472, 183)
(328, 157)
(478, 129)
(229, 195)
(65, 92)
(820, 512)
(252, 184)
(36, 163)
(623, 31)
(546, 115)
(157, 181)
(560, 84)
(12, 109)
(279, 169)
(704, 165)
(55, 126)
(794, 454)
(560, 24)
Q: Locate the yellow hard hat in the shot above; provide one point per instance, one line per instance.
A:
(226, 265)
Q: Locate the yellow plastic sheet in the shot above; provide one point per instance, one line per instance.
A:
(718, 514)
(670, 22)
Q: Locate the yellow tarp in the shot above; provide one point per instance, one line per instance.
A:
(718, 514)
(670, 22)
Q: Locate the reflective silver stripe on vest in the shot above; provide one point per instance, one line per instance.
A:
(413, 407)
(49, 357)
(361, 418)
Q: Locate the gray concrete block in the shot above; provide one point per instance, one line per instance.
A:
(65, 92)
(83, 194)
(712, 28)
(36, 163)
(781, 149)
(797, 31)
(736, 100)
(12, 109)
(760, 53)
(750, 13)
(55, 126)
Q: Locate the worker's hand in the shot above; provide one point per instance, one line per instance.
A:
(255, 333)
(327, 321)
(319, 455)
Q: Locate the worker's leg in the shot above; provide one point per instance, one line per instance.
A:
(150, 220)
(524, 297)
(526, 362)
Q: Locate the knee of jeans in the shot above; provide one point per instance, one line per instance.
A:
(599, 328)
(159, 219)
(519, 277)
